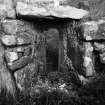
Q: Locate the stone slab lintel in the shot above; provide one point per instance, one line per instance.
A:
(45, 8)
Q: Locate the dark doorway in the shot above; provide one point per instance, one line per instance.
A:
(52, 50)
(52, 60)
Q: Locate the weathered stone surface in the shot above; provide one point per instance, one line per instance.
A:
(72, 46)
(7, 9)
(16, 32)
(18, 27)
(25, 77)
(22, 62)
(9, 40)
(24, 40)
(27, 50)
(94, 30)
(46, 8)
(18, 57)
(10, 26)
(99, 46)
(88, 59)
(7, 83)
(11, 56)
(102, 57)
(83, 79)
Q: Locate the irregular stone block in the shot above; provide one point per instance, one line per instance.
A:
(16, 57)
(46, 8)
(7, 82)
(7, 9)
(11, 56)
(9, 40)
(16, 32)
(25, 50)
(23, 40)
(10, 26)
(17, 27)
(88, 63)
(94, 30)
(99, 46)
(22, 62)
(102, 57)
(19, 49)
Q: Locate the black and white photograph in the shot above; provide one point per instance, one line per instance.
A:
(52, 52)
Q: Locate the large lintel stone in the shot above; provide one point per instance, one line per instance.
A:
(46, 8)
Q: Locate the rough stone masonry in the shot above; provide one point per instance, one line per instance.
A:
(78, 41)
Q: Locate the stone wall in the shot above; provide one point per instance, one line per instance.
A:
(43, 41)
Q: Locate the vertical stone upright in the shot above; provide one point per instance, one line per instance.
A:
(7, 83)
(93, 39)
(40, 55)
(88, 57)
(73, 51)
